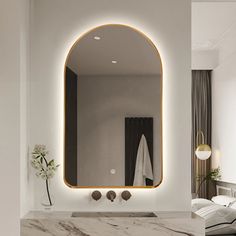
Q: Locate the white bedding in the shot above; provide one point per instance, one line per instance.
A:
(199, 203)
(220, 220)
(223, 200)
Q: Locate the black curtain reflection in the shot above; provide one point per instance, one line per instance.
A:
(134, 128)
(71, 127)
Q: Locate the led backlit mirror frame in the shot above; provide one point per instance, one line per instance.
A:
(161, 109)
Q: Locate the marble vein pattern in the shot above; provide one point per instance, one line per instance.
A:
(109, 226)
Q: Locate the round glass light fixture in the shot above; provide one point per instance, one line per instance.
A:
(114, 62)
(203, 151)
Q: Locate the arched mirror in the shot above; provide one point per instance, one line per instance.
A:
(113, 110)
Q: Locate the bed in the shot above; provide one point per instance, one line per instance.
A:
(219, 212)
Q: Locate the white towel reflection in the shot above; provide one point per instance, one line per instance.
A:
(143, 167)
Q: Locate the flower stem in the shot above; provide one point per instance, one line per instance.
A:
(47, 187)
(200, 185)
(48, 193)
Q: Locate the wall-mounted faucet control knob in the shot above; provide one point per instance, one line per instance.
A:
(111, 195)
(126, 195)
(96, 195)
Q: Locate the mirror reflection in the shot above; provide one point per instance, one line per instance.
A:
(113, 110)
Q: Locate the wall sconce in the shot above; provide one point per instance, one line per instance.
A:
(203, 151)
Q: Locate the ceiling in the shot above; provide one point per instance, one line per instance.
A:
(210, 22)
(134, 53)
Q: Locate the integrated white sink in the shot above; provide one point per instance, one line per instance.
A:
(113, 214)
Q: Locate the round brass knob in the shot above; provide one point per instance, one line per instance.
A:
(96, 195)
(126, 195)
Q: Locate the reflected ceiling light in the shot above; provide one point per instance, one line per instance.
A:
(203, 151)
(114, 62)
(97, 37)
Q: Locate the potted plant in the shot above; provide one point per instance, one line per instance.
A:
(212, 175)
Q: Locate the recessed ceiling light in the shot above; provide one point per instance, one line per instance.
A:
(113, 61)
(97, 37)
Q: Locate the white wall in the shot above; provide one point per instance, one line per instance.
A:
(224, 109)
(103, 104)
(25, 188)
(13, 75)
(205, 59)
(56, 24)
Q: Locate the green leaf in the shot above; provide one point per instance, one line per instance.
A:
(51, 162)
(36, 157)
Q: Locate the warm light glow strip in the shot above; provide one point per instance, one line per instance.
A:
(156, 39)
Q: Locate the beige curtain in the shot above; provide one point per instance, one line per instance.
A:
(201, 121)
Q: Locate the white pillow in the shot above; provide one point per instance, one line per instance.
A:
(233, 205)
(199, 203)
(223, 200)
(219, 219)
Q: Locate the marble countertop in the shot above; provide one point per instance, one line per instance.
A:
(68, 214)
(62, 224)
